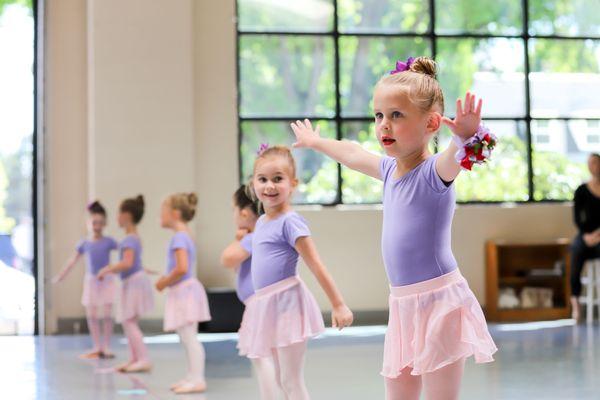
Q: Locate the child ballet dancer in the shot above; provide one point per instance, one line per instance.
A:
(137, 297)
(187, 303)
(283, 313)
(98, 295)
(435, 321)
(238, 255)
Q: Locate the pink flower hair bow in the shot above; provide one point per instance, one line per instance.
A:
(262, 148)
(403, 66)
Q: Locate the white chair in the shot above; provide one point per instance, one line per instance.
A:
(590, 280)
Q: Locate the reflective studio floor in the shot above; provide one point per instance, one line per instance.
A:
(548, 360)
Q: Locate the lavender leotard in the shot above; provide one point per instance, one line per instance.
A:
(245, 289)
(274, 257)
(182, 240)
(97, 253)
(417, 219)
(131, 242)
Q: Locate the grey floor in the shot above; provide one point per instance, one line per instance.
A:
(555, 360)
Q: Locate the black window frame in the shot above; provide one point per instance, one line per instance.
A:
(433, 37)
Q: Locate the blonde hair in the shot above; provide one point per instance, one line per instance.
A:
(420, 82)
(278, 151)
(185, 203)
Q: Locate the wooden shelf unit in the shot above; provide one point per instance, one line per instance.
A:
(507, 265)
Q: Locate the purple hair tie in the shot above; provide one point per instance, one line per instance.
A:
(262, 148)
(403, 66)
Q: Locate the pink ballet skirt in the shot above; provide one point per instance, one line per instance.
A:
(186, 304)
(98, 293)
(279, 315)
(242, 334)
(433, 324)
(137, 296)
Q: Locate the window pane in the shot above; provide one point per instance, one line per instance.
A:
(491, 68)
(481, 16)
(565, 78)
(383, 16)
(286, 76)
(357, 187)
(285, 16)
(316, 173)
(16, 162)
(560, 156)
(504, 177)
(363, 60)
(567, 18)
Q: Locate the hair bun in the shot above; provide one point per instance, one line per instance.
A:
(193, 199)
(424, 65)
(96, 207)
(140, 200)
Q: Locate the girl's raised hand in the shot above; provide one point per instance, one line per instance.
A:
(341, 317)
(467, 118)
(306, 136)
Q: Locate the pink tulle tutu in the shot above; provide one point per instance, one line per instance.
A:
(279, 315)
(186, 304)
(432, 324)
(98, 293)
(137, 296)
(242, 334)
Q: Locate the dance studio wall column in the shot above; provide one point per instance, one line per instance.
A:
(140, 110)
(65, 189)
(216, 134)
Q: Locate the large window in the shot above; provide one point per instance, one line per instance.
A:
(536, 63)
(17, 283)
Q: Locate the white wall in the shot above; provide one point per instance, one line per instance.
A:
(147, 105)
(140, 109)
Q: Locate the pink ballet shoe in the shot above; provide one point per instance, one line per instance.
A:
(190, 387)
(92, 355)
(178, 383)
(139, 366)
(123, 367)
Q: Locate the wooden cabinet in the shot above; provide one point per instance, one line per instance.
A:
(514, 265)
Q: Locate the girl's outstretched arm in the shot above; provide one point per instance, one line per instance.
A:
(350, 154)
(123, 265)
(341, 316)
(65, 271)
(464, 125)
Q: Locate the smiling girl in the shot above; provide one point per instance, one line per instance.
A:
(283, 314)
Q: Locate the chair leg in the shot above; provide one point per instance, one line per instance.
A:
(589, 306)
(596, 266)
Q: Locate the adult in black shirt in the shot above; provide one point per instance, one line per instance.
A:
(586, 244)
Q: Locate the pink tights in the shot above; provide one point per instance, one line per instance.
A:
(100, 335)
(135, 339)
(267, 381)
(289, 371)
(442, 384)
